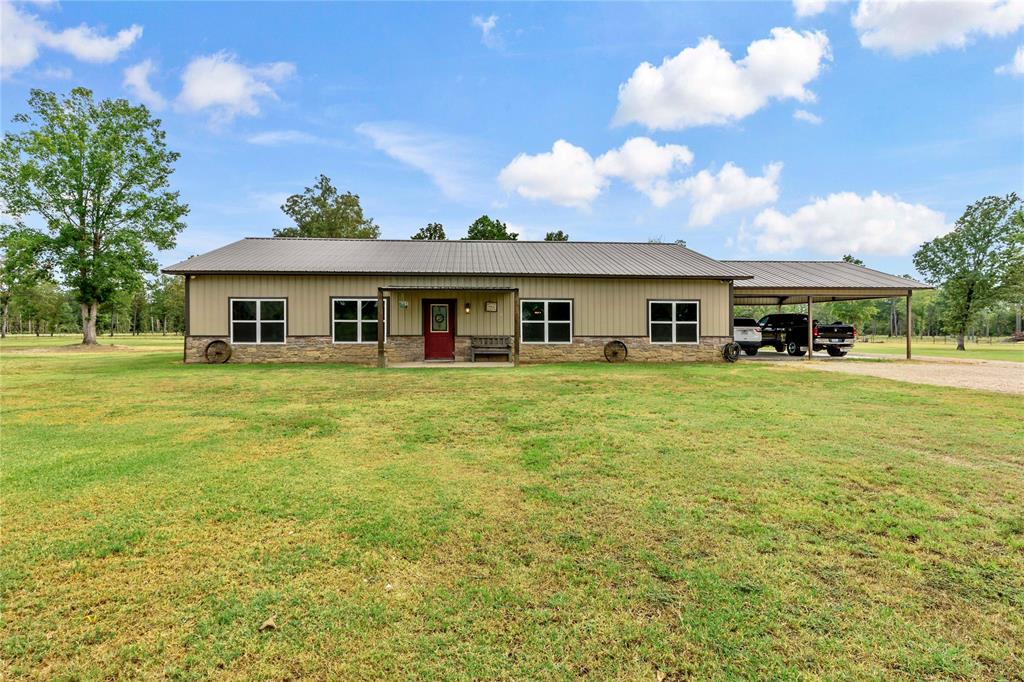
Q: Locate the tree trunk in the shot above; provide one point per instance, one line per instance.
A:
(7, 310)
(88, 324)
(960, 341)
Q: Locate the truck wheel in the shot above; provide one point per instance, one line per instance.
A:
(750, 350)
(794, 349)
(836, 352)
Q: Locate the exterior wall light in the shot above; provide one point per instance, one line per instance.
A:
(467, 307)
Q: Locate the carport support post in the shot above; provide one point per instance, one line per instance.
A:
(910, 322)
(810, 328)
(380, 326)
(515, 332)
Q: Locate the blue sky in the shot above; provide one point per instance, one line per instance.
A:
(543, 115)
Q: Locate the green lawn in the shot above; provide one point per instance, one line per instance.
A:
(996, 350)
(142, 342)
(548, 522)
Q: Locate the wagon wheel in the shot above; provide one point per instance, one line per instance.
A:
(731, 352)
(217, 352)
(615, 351)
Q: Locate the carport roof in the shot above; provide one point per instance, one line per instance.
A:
(781, 282)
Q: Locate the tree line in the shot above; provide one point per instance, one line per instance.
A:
(95, 178)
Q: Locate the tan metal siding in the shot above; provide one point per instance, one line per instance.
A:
(601, 306)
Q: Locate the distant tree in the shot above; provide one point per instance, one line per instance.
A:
(167, 296)
(557, 236)
(979, 262)
(18, 269)
(851, 259)
(97, 173)
(486, 228)
(320, 211)
(432, 232)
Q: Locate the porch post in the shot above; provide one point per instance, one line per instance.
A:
(810, 328)
(380, 326)
(910, 322)
(515, 332)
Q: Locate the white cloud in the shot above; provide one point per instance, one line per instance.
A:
(488, 35)
(644, 164)
(807, 117)
(730, 190)
(274, 138)
(1016, 66)
(848, 223)
(809, 8)
(220, 83)
(906, 27)
(566, 176)
(23, 35)
(702, 85)
(136, 79)
(439, 156)
(56, 73)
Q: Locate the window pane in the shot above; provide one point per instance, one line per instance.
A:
(369, 309)
(686, 333)
(533, 332)
(661, 312)
(661, 333)
(558, 332)
(243, 310)
(345, 331)
(560, 310)
(533, 310)
(271, 332)
(345, 310)
(272, 310)
(369, 331)
(686, 312)
(244, 332)
(439, 318)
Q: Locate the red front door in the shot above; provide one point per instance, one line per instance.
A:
(438, 330)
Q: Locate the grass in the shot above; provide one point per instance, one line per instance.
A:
(141, 342)
(549, 522)
(997, 350)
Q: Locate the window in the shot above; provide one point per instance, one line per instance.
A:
(354, 320)
(546, 321)
(674, 321)
(259, 320)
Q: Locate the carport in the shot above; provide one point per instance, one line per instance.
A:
(808, 282)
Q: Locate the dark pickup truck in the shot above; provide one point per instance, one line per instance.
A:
(788, 331)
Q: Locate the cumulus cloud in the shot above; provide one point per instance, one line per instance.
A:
(488, 35)
(23, 35)
(702, 85)
(809, 8)
(227, 88)
(841, 223)
(136, 79)
(1016, 66)
(437, 155)
(645, 164)
(731, 189)
(906, 27)
(566, 176)
(807, 117)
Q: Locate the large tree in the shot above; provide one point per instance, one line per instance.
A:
(432, 232)
(979, 262)
(97, 174)
(486, 228)
(321, 211)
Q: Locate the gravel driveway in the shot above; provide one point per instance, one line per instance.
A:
(986, 375)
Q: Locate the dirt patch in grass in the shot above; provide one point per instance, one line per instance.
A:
(985, 375)
(74, 348)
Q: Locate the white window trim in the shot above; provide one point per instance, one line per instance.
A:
(546, 321)
(359, 319)
(257, 321)
(673, 323)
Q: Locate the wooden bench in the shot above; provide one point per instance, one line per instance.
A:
(490, 345)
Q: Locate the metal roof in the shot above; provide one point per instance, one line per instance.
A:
(830, 275)
(270, 255)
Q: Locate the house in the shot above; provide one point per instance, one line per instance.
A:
(317, 300)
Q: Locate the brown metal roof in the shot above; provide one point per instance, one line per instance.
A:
(788, 275)
(268, 255)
